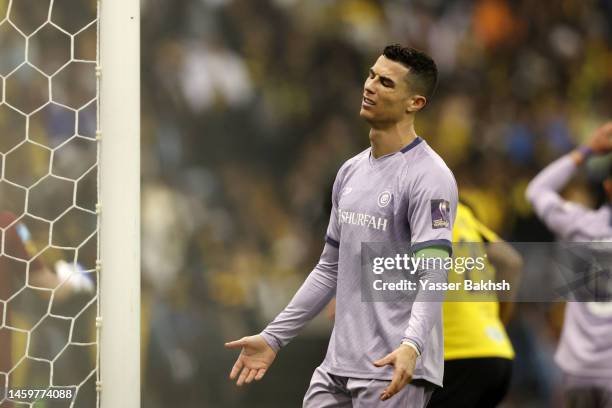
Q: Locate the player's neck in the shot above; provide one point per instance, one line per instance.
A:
(391, 139)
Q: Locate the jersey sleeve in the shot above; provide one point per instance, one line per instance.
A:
(314, 294)
(558, 214)
(316, 291)
(432, 207)
(486, 234)
(332, 236)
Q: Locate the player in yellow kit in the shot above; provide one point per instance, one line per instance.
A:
(477, 352)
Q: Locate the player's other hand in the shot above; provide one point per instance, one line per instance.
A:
(601, 140)
(254, 360)
(403, 359)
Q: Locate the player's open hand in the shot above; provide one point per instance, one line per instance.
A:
(403, 359)
(254, 359)
(601, 140)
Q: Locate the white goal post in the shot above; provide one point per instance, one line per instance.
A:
(119, 110)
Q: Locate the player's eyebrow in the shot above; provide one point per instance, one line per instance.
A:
(385, 80)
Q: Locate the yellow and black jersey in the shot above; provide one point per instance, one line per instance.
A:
(472, 329)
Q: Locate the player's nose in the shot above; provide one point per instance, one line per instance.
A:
(368, 87)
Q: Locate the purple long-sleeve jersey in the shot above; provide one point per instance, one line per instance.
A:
(585, 348)
(408, 196)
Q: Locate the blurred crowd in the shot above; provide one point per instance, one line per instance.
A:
(251, 106)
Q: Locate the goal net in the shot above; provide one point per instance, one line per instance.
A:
(54, 219)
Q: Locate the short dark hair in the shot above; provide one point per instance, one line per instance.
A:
(422, 67)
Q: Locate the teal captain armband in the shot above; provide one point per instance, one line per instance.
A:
(432, 252)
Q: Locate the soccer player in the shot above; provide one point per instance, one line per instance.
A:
(584, 352)
(398, 189)
(477, 352)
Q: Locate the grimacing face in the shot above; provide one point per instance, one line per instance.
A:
(386, 96)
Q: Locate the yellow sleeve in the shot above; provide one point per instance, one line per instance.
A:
(486, 233)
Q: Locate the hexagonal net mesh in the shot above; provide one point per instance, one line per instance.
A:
(49, 225)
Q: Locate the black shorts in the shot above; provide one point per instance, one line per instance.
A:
(473, 383)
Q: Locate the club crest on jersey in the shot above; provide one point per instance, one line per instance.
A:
(440, 214)
(384, 199)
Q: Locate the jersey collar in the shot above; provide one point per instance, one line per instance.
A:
(412, 144)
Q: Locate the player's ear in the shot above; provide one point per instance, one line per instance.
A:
(415, 103)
